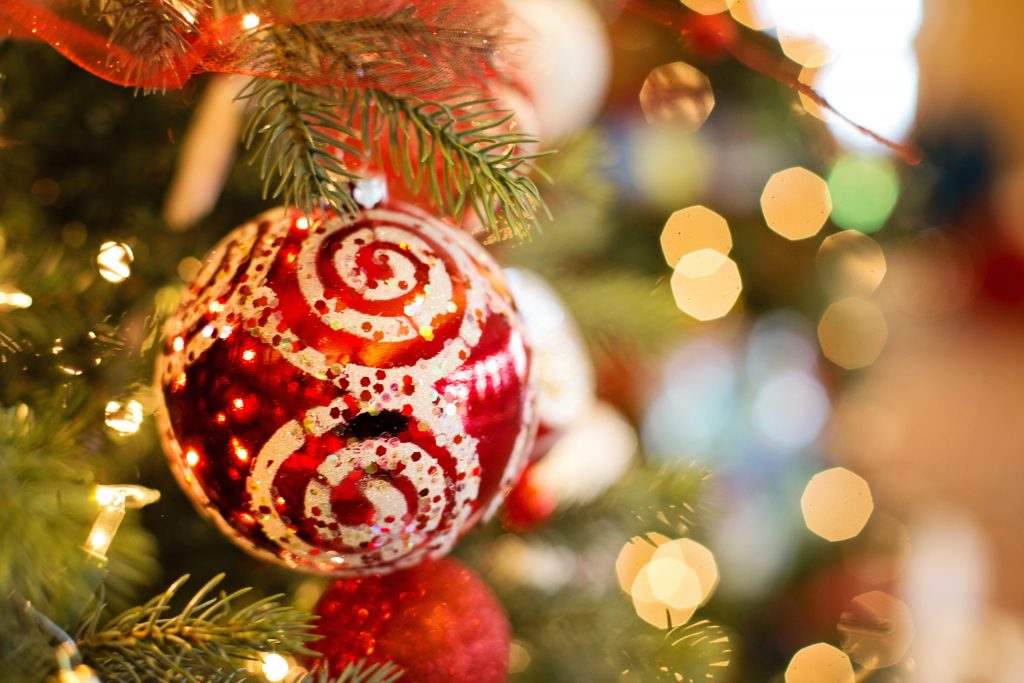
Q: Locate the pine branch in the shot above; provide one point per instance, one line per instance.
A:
(666, 500)
(156, 33)
(691, 653)
(292, 128)
(462, 152)
(357, 672)
(210, 638)
(392, 46)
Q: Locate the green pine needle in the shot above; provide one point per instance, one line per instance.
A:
(210, 638)
(461, 152)
(358, 672)
(292, 128)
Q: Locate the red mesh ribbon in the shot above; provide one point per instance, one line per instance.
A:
(413, 47)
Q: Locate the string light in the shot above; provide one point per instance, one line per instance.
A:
(274, 666)
(114, 260)
(114, 502)
(124, 417)
(250, 21)
(15, 299)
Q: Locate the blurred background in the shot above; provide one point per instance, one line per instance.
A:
(831, 327)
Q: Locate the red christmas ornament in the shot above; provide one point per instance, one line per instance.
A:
(438, 621)
(529, 506)
(347, 396)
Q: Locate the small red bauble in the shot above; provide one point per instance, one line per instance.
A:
(347, 395)
(529, 506)
(438, 621)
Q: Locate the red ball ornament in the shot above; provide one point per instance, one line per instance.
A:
(438, 621)
(347, 395)
(529, 506)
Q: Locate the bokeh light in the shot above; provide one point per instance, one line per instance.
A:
(796, 203)
(809, 76)
(667, 580)
(790, 409)
(836, 504)
(850, 264)
(692, 229)
(695, 556)
(878, 90)
(750, 14)
(864, 192)
(706, 284)
(709, 6)
(820, 663)
(876, 630)
(114, 260)
(635, 554)
(852, 333)
(654, 611)
(677, 95)
(123, 417)
(669, 168)
(803, 49)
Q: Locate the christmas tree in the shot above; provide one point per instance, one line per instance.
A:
(349, 387)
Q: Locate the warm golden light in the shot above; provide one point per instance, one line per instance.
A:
(636, 553)
(850, 264)
(876, 630)
(804, 50)
(796, 203)
(653, 610)
(250, 21)
(692, 229)
(695, 556)
(191, 458)
(275, 667)
(673, 583)
(820, 663)
(836, 504)
(667, 580)
(677, 95)
(518, 658)
(809, 76)
(852, 333)
(750, 15)
(114, 260)
(15, 299)
(706, 284)
(709, 6)
(124, 417)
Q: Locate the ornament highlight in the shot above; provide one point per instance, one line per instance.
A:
(347, 396)
(438, 621)
(565, 377)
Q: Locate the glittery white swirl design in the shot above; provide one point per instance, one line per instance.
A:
(393, 539)
(213, 295)
(441, 416)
